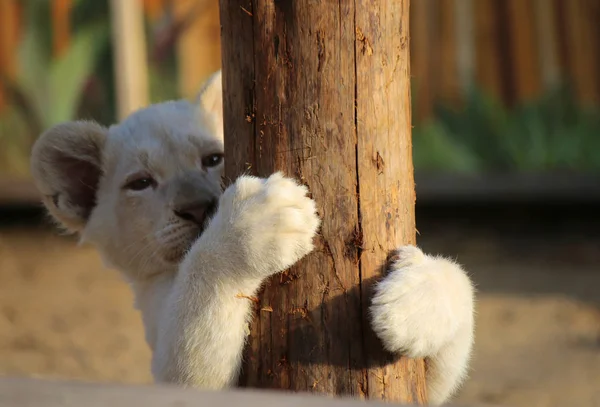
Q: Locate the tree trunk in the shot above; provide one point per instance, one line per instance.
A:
(321, 91)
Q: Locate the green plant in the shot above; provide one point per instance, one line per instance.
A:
(46, 90)
(550, 134)
(53, 87)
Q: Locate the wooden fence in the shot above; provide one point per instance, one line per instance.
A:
(514, 49)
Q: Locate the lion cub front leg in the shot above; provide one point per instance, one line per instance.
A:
(262, 227)
(424, 309)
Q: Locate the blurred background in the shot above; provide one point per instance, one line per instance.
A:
(506, 114)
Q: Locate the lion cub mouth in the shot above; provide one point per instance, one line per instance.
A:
(192, 229)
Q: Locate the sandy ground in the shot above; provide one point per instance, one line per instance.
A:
(63, 315)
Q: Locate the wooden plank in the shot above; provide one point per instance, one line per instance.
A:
(488, 61)
(583, 53)
(523, 50)
(422, 65)
(447, 82)
(546, 38)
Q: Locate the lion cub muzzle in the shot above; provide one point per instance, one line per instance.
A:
(194, 197)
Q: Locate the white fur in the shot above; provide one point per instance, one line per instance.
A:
(193, 292)
(262, 227)
(424, 308)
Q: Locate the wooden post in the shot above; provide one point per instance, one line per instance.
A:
(321, 91)
(524, 58)
(422, 29)
(582, 53)
(131, 71)
(446, 49)
(488, 59)
(9, 33)
(547, 43)
(61, 26)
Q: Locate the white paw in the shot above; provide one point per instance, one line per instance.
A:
(422, 302)
(271, 220)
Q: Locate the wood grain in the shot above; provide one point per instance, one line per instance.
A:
(320, 91)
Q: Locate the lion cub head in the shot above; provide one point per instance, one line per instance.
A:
(141, 190)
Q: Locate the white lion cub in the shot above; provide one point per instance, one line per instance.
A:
(147, 193)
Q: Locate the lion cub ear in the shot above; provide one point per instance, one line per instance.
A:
(210, 100)
(66, 167)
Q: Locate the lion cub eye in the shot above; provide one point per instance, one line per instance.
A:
(212, 160)
(141, 183)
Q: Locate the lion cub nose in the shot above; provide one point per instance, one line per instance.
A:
(197, 213)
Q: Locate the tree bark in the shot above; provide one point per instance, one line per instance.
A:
(321, 91)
